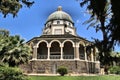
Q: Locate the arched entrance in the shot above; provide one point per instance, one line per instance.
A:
(88, 51)
(42, 51)
(81, 52)
(55, 50)
(68, 50)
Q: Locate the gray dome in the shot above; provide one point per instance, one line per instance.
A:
(60, 15)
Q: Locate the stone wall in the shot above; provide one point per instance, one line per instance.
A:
(50, 66)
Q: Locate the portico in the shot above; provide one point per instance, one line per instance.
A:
(66, 49)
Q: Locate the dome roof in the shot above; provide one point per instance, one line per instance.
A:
(60, 15)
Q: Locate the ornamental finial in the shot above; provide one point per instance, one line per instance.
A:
(59, 8)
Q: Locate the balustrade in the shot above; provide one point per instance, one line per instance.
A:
(56, 56)
(42, 57)
(68, 56)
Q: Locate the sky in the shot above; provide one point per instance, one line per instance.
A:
(30, 21)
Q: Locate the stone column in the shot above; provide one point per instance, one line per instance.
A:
(61, 53)
(92, 58)
(48, 57)
(35, 52)
(85, 53)
(74, 52)
(77, 52)
(95, 56)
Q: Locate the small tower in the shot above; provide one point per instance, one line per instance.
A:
(59, 23)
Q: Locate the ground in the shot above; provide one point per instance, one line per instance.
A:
(105, 77)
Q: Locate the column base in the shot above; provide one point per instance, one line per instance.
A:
(34, 58)
(61, 58)
(76, 59)
(48, 58)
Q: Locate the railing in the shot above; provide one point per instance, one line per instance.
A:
(55, 53)
(55, 56)
(82, 57)
(68, 56)
(42, 57)
(64, 56)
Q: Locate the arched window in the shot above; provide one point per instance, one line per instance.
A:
(55, 50)
(68, 50)
(88, 51)
(42, 51)
(82, 52)
(69, 24)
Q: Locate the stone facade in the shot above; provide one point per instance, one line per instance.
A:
(73, 66)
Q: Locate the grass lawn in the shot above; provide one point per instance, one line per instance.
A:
(109, 77)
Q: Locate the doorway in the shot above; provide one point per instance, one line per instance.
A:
(54, 68)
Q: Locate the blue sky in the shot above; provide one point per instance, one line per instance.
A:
(30, 21)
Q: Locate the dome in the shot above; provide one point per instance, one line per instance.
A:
(59, 15)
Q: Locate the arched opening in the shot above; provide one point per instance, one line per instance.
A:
(81, 52)
(88, 51)
(68, 50)
(55, 50)
(42, 51)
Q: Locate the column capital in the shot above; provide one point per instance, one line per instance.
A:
(91, 49)
(48, 46)
(74, 46)
(35, 46)
(61, 46)
(77, 46)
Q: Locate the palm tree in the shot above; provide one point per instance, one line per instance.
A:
(15, 51)
(100, 10)
(3, 40)
(115, 21)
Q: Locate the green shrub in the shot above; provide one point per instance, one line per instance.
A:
(114, 70)
(9, 73)
(62, 71)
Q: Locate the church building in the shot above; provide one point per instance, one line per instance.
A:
(59, 45)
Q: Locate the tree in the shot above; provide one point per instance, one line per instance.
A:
(13, 6)
(115, 21)
(13, 50)
(10, 73)
(115, 59)
(101, 9)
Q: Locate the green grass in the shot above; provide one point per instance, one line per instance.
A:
(112, 77)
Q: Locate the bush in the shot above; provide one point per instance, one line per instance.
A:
(62, 71)
(114, 70)
(9, 73)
